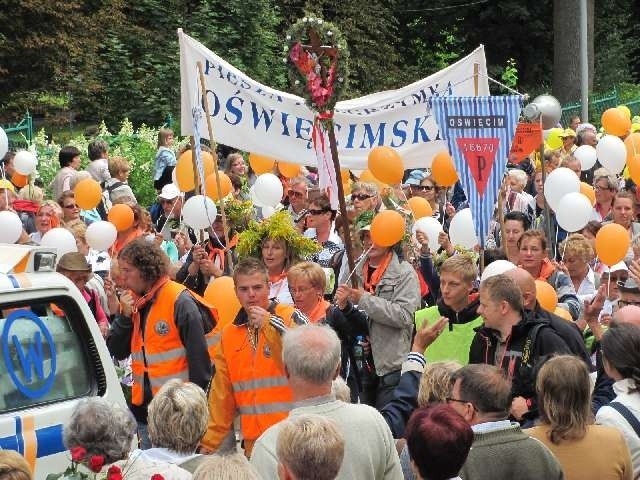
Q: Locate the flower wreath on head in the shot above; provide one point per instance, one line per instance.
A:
(305, 67)
(277, 227)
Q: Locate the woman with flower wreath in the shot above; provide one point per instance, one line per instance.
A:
(389, 295)
(279, 245)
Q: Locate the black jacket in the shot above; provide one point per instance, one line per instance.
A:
(522, 374)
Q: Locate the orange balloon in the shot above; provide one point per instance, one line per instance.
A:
(420, 207)
(615, 122)
(19, 180)
(88, 193)
(345, 175)
(563, 313)
(221, 293)
(443, 170)
(387, 228)
(587, 191)
(632, 143)
(121, 216)
(261, 164)
(289, 170)
(612, 243)
(546, 295)
(211, 186)
(386, 165)
(184, 169)
(368, 177)
(633, 165)
(346, 188)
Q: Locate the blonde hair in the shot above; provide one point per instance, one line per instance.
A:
(117, 165)
(311, 447)
(163, 133)
(31, 192)
(78, 228)
(435, 382)
(230, 159)
(233, 466)
(577, 244)
(563, 390)
(462, 265)
(13, 466)
(310, 271)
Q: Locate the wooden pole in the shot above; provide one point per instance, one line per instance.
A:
(346, 231)
(476, 79)
(213, 149)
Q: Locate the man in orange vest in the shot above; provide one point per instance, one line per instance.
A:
(249, 374)
(169, 331)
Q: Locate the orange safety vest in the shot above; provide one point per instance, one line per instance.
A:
(159, 352)
(260, 389)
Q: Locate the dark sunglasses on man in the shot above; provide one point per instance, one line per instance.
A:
(360, 196)
(293, 193)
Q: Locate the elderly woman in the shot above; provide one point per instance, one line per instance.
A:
(605, 187)
(517, 180)
(48, 216)
(577, 255)
(70, 209)
(621, 357)
(178, 417)
(533, 258)
(226, 467)
(365, 197)
(583, 449)
(390, 295)
(307, 284)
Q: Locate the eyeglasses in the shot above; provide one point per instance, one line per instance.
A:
(360, 196)
(313, 211)
(458, 400)
(295, 291)
(293, 193)
(72, 206)
(424, 188)
(599, 188)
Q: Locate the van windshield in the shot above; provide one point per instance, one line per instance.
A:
(43, 357)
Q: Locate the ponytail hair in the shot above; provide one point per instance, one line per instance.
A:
(621, 348)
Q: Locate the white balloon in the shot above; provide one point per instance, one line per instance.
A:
(574, 211)
(101, 235)
(587, 156)
(267, 211)
(268, 189)
(11, 227)
(174, 179)
(545, 107)
(4, 143)
(254, 198)
(612, 153)
(462, 231)
(558, 183)
(496, 268)
(199, 212)
(60, 239)
(25, 162)
(431, 228)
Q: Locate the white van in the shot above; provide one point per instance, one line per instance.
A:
(51, 356)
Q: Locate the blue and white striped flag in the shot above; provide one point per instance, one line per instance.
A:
(479, 132)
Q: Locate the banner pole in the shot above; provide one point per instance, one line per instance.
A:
(346, 230)
(212, 142)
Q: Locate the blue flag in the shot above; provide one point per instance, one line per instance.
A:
(479, 132)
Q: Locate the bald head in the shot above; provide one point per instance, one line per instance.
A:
(527, 285)
(628, 314)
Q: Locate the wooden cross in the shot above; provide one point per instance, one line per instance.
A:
(320, 51)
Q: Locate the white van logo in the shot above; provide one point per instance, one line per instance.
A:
(32, 367)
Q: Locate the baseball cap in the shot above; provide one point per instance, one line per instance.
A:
(630, 286)
(74, 262)
(568, 132)
(415, 177)
(7, 185)
(169, 192)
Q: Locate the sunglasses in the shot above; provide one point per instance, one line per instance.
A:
(360, 196)
(71, 207)
(424, 188)
(293, 193)
(317, 212)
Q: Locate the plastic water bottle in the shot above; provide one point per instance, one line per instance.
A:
(358, 353)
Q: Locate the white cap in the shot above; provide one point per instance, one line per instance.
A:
(618, 267)
(169, 192)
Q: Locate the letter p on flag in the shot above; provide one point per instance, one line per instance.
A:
(480, 155)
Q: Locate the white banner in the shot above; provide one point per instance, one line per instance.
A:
(252, 117)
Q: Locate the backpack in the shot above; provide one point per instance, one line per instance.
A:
(105, 203)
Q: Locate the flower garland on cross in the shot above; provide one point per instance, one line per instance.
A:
(318, 63)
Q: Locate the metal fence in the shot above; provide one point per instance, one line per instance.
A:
(20, 134)
(598, 103)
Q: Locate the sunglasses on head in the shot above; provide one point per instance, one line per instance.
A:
(293, 193)
(360, 196)
(424, 188)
